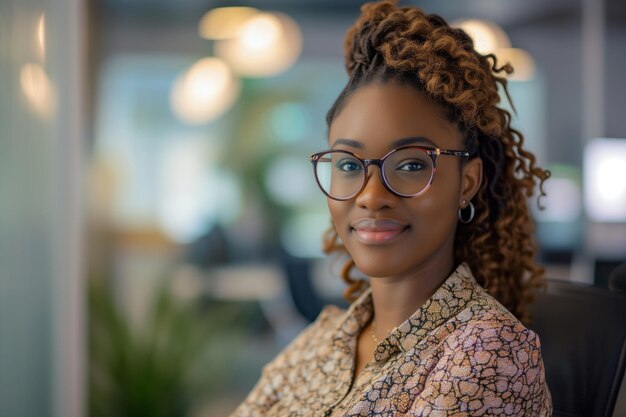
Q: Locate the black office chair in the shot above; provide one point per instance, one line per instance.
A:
(298, 272)
(583, 338)
(617, 279)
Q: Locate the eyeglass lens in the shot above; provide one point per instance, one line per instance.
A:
(407, 172)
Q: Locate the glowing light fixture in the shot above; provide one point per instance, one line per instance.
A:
(41, 36)
(605, 180)
(522, 62)
(265, 45)
(487, 36)
(204, 92)
(490, 38)
(37, 88)
(224, 22)
(563, 201)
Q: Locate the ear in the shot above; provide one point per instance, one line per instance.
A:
(471, 179)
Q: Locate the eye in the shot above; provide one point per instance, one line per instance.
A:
(410, 166)
(348, 165)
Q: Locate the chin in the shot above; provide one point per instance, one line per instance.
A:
(379, 266)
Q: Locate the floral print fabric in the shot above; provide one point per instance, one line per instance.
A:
(460, 354)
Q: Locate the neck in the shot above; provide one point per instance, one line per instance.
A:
(397, 298)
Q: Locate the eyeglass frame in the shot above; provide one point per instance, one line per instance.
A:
(433, 152)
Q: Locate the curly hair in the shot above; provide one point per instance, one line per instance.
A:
(406, 45)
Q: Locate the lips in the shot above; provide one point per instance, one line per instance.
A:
(378, 231)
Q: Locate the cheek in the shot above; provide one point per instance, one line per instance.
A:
(435, 217)
(340, 217)
(436, 211)
(338, 213)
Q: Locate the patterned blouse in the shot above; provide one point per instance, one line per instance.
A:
(460, 354)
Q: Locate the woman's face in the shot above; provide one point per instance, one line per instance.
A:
(387, 235)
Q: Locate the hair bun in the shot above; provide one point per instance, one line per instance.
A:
(364, 39)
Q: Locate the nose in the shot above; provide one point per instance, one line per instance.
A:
(375, 196)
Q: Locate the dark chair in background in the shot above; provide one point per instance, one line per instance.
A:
(305, 297)
(583, 338)
(617, 279)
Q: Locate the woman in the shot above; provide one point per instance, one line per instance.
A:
(427, 186)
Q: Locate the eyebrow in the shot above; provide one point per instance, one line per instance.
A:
(396, 144)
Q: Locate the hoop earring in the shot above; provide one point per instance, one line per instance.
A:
(471, 216)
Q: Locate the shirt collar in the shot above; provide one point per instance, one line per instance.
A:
(354, 320)
(447, 301)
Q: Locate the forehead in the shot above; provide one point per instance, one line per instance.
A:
(377, 115)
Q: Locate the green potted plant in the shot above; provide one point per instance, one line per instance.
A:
(178, 357)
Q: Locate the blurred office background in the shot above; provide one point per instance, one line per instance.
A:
(160, 228)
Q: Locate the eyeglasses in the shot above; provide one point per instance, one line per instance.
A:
(406, 172)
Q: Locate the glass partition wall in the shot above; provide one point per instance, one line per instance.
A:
(41, 329)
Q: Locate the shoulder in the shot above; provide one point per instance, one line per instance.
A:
(489, 364)
(330, 314)
(313, 340)
(498, 341)
(489, 341)
(326, 323)
(486, 325)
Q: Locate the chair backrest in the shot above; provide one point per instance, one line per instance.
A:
(617, 279)
(583, 338)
